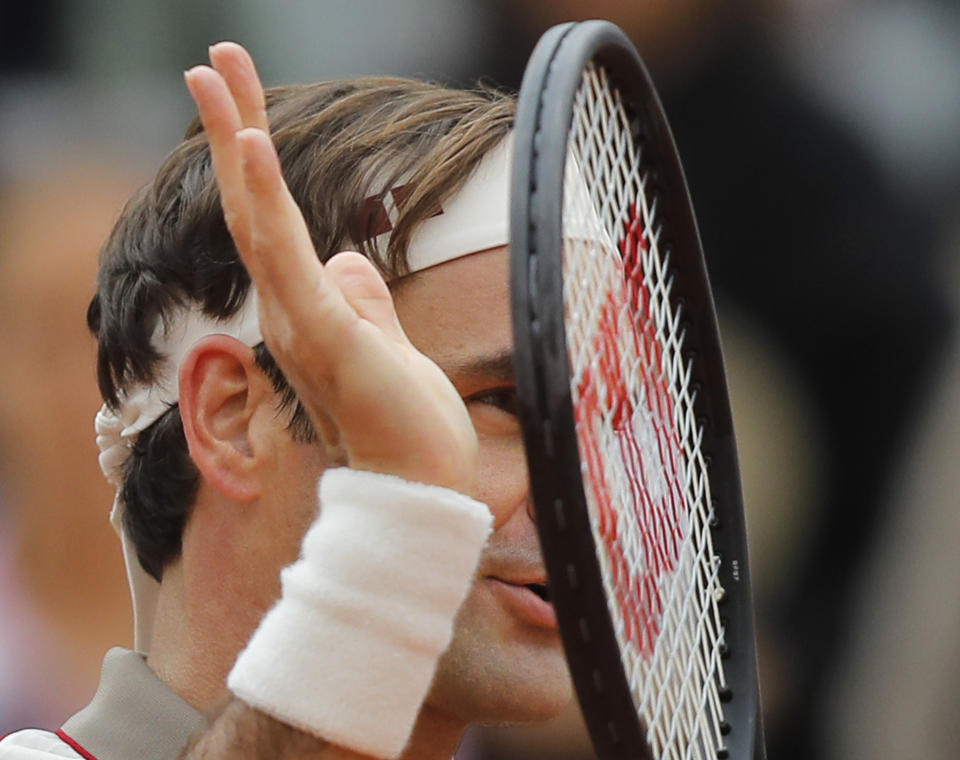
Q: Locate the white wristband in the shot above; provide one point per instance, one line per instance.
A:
(349, 651)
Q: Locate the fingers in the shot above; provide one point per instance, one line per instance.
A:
(280, 255)
(229, 97)
(263, 218)
(236, 67)
(221, 120)
(304, 313)
(333, 330)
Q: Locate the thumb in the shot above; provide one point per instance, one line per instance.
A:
(365, 291)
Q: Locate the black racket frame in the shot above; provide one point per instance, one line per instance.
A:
(541, 365)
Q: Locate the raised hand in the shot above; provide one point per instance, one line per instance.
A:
(332, 328)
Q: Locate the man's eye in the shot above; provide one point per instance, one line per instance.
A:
(500, 398)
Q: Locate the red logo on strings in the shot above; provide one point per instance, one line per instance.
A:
(647, 445)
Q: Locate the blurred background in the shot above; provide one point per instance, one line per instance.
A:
(821, 140)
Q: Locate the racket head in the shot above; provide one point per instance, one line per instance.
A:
(600, 648)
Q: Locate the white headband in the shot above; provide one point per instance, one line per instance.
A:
(474, 219)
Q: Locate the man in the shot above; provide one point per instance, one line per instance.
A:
(400, 404)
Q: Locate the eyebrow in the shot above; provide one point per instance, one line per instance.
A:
(497, 366)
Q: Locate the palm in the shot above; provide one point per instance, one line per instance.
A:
(332, 328)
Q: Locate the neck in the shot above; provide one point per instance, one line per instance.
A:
(198, 673)
(191, 669)
(211, 600)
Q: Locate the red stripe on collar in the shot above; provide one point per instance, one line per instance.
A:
(75, 745)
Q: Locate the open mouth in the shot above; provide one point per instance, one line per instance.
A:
(541, 590)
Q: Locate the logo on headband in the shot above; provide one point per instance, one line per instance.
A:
(380, 213)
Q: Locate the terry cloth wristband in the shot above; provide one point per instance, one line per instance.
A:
(349, 651)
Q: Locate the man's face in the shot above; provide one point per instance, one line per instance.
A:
(506, 660)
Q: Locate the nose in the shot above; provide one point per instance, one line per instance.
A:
(505, 484)
(531, 509)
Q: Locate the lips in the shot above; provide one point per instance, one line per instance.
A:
(528, 601)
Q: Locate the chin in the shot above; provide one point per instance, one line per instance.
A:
(482, 696)
(498, 671)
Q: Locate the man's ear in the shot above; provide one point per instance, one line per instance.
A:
(220, 389)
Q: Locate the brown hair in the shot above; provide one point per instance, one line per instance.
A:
(340, 144)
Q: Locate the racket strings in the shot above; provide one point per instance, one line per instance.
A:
(643, 466)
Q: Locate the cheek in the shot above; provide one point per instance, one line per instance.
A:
(307, 464)
(291, 502)
(503, 482)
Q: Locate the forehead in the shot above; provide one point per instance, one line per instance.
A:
(459, 310)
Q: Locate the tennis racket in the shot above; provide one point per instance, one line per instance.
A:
(625, 414)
